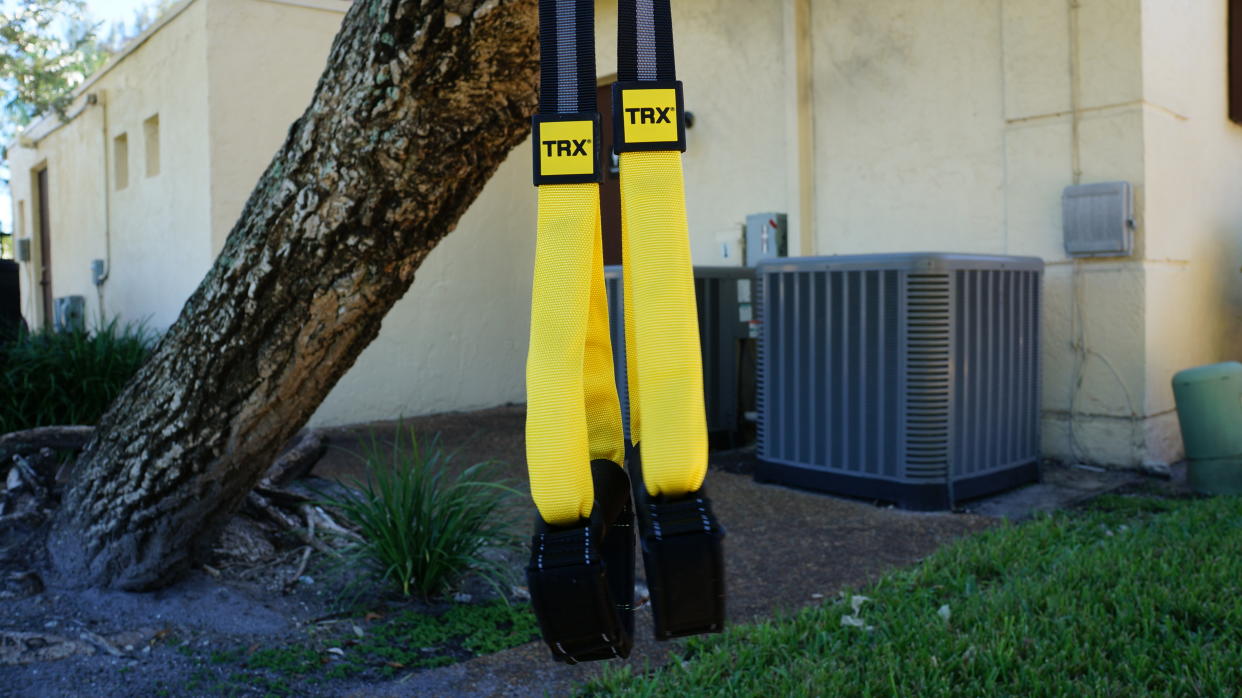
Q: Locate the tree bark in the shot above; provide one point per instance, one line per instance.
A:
(421, 100)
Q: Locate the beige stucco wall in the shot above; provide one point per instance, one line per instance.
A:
(74, 158)
(954, 126)
(1193, 208)
(263, 60)
(159, 236)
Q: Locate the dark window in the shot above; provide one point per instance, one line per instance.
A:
(1235, 61)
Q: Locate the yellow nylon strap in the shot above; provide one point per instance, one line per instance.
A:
(603, 405)
(573, 413)
(661, 322)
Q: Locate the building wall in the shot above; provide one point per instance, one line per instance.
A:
(264, 58)
(954, 126)
(157, 224)
(76, 211)
(1193, 158)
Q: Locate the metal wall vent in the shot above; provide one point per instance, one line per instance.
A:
(721, 332)
(911, 378)
(1098, 219)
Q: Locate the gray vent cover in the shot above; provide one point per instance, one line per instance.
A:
(720, 335)
(1098, 219)
(911, 378)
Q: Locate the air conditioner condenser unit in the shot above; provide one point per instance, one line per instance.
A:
(910, 378)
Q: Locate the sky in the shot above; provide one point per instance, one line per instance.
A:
(106, 11)
(110, 11)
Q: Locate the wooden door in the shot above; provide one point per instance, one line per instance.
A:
(44, 231)
(610, 188)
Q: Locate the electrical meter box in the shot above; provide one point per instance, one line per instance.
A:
(766, 237)
(70, 314)
(1098, 219)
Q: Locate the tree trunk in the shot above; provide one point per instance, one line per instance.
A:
(420, 102)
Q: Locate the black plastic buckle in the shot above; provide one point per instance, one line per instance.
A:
(581, 578)
(683, 553)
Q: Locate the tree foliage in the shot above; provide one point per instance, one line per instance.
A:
(47, 48)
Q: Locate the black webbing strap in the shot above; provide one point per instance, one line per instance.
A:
(647, 103)
(645, 41)
(567, 55)
(567, 150)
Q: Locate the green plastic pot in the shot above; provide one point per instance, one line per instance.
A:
(1209, 408)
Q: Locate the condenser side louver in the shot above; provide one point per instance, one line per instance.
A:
(910, 378)
(721, 332)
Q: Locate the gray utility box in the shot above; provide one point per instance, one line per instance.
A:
(721, 333)
(69, 314)
(1098, 219)
(910, 378)
(766, 237)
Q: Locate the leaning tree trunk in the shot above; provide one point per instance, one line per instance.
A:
(420, 102)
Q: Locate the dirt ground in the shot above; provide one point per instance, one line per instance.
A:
(785, 549)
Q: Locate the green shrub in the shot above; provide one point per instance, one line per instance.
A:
(421, 529)
(49, 377)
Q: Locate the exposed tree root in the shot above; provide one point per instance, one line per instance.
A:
(34, 466)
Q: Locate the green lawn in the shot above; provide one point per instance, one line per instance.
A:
(1134, 596)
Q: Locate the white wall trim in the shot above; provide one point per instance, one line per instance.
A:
(49, 123)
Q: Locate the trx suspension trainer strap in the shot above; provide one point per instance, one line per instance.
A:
(681, 540)
(581, 570)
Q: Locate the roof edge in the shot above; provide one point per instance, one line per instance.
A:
(49, 123)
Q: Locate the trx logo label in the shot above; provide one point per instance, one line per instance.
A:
(566, 147)
(563, 148)
(649, 115)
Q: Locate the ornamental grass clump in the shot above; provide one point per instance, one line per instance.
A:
(422, 528)
(49, 377)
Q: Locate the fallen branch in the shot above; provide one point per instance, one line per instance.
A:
(297, 574)
(100, 642)
(64, 437)
(326, 522)
(26, 473)
(296, 462)
(264, 506)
